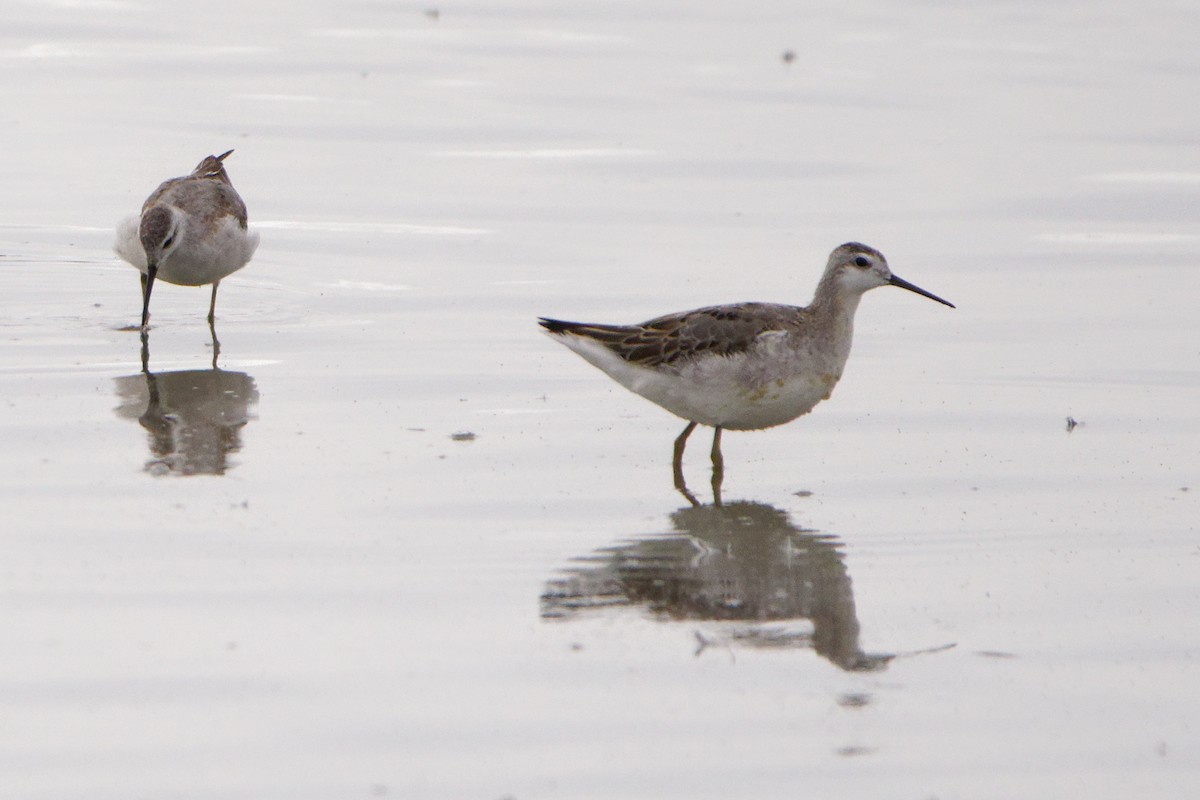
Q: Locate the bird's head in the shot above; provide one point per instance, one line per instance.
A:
(856, 268)
(161, 230)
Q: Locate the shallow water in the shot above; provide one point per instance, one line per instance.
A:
(397, 543)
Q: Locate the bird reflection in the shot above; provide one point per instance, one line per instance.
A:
(744, 565)
(194, 418)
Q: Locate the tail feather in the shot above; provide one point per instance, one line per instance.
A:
(608, 334)
(558, 325)
(211, 167)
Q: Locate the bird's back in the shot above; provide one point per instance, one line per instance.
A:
(207, 194)
(675, 339)
(206, 201)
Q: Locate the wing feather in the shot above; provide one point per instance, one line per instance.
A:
(675, 339)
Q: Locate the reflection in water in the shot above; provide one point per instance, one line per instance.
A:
(743, 564)
(194, 417)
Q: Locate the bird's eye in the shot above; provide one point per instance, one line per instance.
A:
(862, 261)
(167, 241)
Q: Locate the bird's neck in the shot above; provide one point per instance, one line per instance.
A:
(832, 310)
(834, 304)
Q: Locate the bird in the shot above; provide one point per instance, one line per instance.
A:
(192, 231)
(742, 366)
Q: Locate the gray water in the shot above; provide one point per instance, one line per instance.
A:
(396, 543)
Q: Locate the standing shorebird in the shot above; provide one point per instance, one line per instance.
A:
(740, 367)
(192, 232)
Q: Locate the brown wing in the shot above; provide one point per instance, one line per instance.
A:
(210, 168)
(678, 338)
(209, 200)
(158, 193)
(204, 198)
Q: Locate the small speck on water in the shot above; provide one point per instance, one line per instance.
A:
(462, 436)
(802, 493)
(855, 750)
(788, 56)
(854, 700)
(1072, 424)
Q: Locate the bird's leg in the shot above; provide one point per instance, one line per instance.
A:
(677, 463)
(147, 286)
(216, 344)
(718, 464)
(680, 443)
(212, 307)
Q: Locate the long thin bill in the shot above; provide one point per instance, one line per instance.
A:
(903, 284)
(151, 271)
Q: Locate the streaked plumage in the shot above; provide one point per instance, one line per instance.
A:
(192, 231)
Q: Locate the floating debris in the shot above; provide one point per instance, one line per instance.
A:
(1072, 424)
(462, 436)
(854, 700)
(788, 56)
(855, 750)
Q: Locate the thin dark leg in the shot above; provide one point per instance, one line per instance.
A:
(212, 307)
(677, 463)
(216, 344)
(147, 286)
(718, 464)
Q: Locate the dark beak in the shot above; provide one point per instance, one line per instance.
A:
(147, 285)
(903, 284)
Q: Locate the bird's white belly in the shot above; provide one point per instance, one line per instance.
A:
(198, 260)
(732, 403)
(742, 392)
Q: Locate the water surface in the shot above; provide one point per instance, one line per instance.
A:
(394, 542)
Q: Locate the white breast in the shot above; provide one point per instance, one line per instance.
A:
(128, 246)
(201, 260)
(768, 385)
